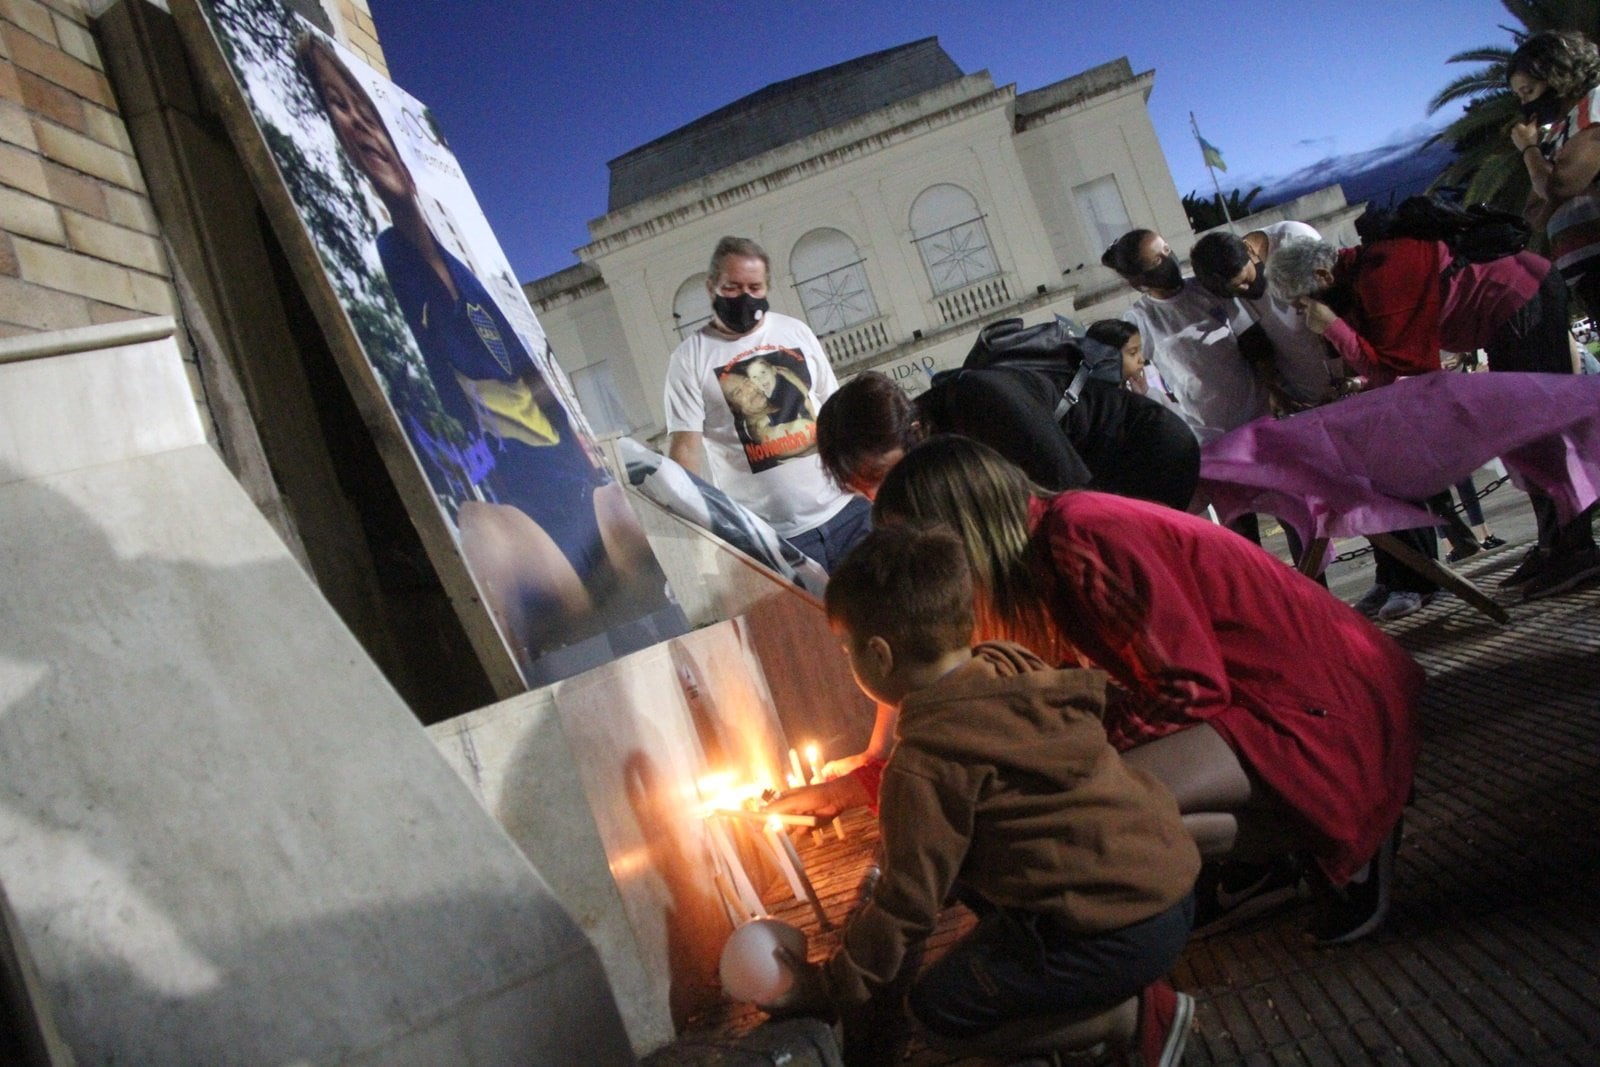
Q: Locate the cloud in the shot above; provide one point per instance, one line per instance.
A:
(1403, 165)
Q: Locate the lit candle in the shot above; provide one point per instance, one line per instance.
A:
(795, 770)
(816, 768)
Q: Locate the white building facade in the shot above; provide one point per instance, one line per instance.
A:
(904, 205)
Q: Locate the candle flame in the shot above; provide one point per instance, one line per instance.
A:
(723, 791)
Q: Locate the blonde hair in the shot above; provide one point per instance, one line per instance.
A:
(1068, 605)
(976, 492)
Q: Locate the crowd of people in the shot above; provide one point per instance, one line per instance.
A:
(1101, 716)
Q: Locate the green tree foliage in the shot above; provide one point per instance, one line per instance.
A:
(1206, 213)
(1487, 166)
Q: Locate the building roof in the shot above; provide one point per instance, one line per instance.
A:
(780, 114)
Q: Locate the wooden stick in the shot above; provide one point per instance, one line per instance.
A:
(763, 816)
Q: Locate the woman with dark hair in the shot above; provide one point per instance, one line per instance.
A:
(1268, 707)
(863, 429)
(1108, 438)
(1555, 76)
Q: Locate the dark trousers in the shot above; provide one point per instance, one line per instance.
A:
(1396, 576)
(1535, 339)
(1467, 490)
(1018, 964)
(828, 543)
(1248, 526)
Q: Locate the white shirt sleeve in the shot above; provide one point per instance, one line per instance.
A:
(684, 397)
(1279, 232)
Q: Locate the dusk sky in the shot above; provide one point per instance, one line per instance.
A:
(537, 97)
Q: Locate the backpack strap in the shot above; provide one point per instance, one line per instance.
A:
(1073, 391)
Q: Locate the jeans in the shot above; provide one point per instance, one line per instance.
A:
(828, 543)
(1016, 964)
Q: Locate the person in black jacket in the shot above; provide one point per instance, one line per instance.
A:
(1108, 438)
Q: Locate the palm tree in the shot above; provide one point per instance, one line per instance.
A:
(1208, 212)
(1487, 166)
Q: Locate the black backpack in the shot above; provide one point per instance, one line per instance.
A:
(1475, 233)
(1054, 347)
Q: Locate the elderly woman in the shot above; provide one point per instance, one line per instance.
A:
(1264, 704)
(1555, 77)
(1390, 307)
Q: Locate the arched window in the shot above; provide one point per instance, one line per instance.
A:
(691, 308)
(949, 232)
(832, 280)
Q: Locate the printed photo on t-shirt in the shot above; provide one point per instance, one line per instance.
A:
(769, 396)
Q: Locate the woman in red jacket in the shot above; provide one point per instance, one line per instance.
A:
(1391, 306)
(1269, 708)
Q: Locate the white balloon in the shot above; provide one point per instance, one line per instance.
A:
(750, 968)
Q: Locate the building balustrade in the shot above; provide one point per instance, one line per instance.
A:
(859, 341)
(977, 299)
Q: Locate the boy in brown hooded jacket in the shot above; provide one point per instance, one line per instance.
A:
(1002, 779)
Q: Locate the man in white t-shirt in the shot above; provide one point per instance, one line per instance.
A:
(743, 392)
(1195, 340)
(1308, 371)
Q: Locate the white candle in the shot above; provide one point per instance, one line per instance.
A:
(781, 856)
(730, 856)
(794, 767)
(805, 882)
(816, 768)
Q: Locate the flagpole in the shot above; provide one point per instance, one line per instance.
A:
(1206, 159)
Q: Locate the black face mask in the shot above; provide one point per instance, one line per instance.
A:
(1164, 275)
(1258, 288)
(740, 313)
(1543, 109)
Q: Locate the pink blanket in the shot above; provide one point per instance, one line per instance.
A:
(1357, 466)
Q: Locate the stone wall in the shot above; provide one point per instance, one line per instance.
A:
(79, 243)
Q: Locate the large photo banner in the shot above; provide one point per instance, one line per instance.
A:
(449, 365)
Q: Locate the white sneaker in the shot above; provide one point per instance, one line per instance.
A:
(1372, 600)
(1400, 604)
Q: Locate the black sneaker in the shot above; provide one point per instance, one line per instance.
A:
(1228, 887)
(1561, 573)
(1531, 564)
(1355, 909)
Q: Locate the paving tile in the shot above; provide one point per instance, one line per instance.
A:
(1490, 955)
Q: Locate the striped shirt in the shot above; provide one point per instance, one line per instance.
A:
(1574, 226)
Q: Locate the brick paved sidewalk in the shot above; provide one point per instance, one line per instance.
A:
(1492, 950)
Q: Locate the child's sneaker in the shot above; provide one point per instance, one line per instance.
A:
(1165, 1016)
